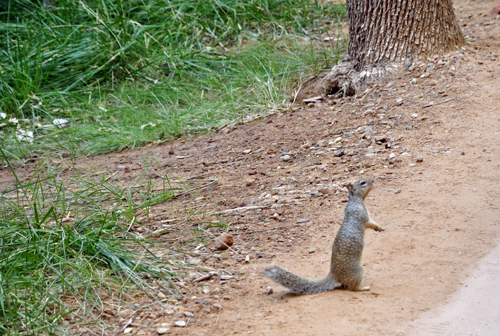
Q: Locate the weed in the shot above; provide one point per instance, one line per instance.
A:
(67, 251)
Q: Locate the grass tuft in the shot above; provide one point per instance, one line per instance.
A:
(65, 245)
(127, 73)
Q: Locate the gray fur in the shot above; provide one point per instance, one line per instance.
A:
(346, 269)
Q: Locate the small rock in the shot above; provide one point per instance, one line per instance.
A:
(398, 191)
(324, 191)
(495, 10)
(217, 306)
(462, 153)
(180, 323)
(420, 159)
(163, 330)
(246, 151)
(268, 290)
(285, 157)
(171, 151)
(188, 314)
(392, 155)
(128, 330)
(413, 164)
(414, 81)
(399, 102)
(224, 242)
(60, 123)
(339, 153)
(247, 259)
(303, 220)
(311, 251)
(121, 167)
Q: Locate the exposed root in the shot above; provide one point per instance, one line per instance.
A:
(343, 80)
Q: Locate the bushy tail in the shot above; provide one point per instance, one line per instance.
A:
(299, 285)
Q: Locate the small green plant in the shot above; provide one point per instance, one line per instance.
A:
(66, 244)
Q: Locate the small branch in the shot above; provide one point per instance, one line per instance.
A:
(444, 101)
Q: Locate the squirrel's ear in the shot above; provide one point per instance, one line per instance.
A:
(350, 187)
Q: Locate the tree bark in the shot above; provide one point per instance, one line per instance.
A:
(385, 33)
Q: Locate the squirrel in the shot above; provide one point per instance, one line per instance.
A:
(345, 269)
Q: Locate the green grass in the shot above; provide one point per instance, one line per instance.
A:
(65, 244)
(128, 73)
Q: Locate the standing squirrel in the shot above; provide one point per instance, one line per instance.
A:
(345, 269)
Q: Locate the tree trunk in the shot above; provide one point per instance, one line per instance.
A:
(385, 33)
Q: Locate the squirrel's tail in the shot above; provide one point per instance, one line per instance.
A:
(299, 285)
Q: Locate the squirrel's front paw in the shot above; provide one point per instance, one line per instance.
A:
(379, 229)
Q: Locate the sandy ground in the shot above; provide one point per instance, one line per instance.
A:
(435, 269)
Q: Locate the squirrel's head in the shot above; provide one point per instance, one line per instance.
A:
(360, 188)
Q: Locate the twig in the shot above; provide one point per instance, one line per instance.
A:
(129, 322)
(444, 101)
(204, 277)
(253, 207)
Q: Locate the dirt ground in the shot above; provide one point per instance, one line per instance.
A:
(437, 175)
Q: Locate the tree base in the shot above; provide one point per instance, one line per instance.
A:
(343, 80)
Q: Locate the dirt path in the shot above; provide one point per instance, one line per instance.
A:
(279, 190)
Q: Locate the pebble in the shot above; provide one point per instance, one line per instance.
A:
(303, 220)
(128, 330)
(217, 306)
(413, 164)
(414, 81)
(268, 290)
(339, 153)
(398, 191)
(61, 123)
(180, 323)
(224, 242)
(163, 330)
(392, 155)
(285, 157)
(420, 159)
(188, 314)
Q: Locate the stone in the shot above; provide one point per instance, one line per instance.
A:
(128, 330)
(180, 324)
(188, 314)
(339, 153)
(217, 306)
(286, 157)
(398, 191)
(420, 159)
(163, 330)
(495, 10)
(268, 290)
(224, 242)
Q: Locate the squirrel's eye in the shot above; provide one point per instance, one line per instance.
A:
(362, 182)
